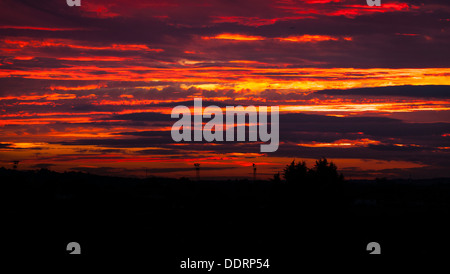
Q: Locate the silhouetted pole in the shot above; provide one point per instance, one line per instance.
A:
(254, 173)
(197, 170)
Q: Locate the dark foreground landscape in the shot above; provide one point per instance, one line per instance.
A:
(166, 221)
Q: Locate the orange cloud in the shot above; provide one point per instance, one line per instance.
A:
(243, 78)
(88, 87)
(24, 58)
(308, 38)
(50, 97)
(96, 58)
(237, 37)
(73, 44)
(254, 21)
(302, 38)
(39, 28)
(342, 143)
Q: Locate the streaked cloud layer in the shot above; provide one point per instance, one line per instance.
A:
(91, 88)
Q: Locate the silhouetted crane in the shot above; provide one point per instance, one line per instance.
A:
(197, 170)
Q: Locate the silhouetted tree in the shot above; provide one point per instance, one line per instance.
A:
(295, 172)
(320, 186)
(325, 172)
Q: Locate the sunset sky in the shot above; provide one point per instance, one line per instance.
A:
(91, 88)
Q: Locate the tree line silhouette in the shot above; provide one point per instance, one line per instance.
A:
(323, 173)
(319, 186)
(300, 204)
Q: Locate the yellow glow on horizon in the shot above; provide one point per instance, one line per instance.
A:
(308, 38)
(243, 78)
(238, 37)
(342, 143)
